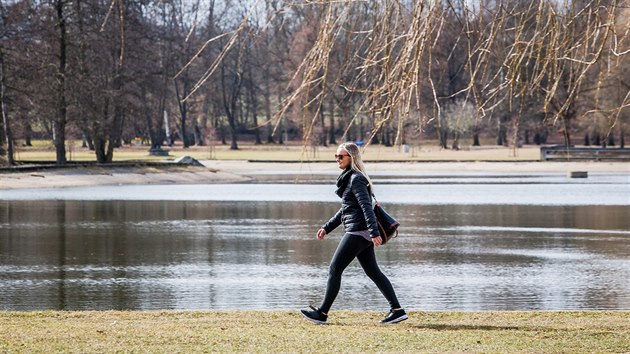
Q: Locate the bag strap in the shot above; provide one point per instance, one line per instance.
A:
(373, 196)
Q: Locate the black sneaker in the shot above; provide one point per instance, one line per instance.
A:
(395, 316)
(315, 315)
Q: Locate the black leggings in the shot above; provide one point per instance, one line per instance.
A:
(352, 246)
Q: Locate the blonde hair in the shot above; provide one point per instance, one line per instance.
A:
(356, 163)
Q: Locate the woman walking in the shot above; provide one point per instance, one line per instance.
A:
(360, 238)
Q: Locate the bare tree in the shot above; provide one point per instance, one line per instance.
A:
(60, 120)
(231, 84)
(316, 71)
(183, 27)
(527, 48)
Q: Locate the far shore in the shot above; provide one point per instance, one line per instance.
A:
(242, 171)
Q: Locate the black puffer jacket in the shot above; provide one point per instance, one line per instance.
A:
(356, 208)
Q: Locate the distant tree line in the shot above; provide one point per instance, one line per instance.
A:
(390, 72)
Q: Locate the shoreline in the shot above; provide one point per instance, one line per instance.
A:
(241, 171)
(287, 332)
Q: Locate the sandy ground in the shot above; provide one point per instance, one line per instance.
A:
(221, 171)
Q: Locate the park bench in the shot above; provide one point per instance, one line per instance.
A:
(561, 152)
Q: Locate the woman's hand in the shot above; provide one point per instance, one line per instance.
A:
(321, 233)
(377, 241)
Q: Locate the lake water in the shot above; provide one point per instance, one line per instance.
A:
(463, 246)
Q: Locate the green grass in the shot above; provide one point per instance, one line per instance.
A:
(430, 152)
(282, 331)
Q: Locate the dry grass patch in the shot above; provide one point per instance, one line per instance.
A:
(252, 152)
(282, 331)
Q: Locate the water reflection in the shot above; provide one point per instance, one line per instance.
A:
(263, 255)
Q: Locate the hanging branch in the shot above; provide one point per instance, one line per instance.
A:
(509, 50)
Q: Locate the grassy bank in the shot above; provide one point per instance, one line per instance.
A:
(44, 151)
(282, 331)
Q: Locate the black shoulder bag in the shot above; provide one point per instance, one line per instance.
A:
(387, 225)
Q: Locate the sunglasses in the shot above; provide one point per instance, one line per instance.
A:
(340, 157)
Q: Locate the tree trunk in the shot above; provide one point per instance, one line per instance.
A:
(502, 133)
(345, 114)
(281, 125)
(99, 150)
(443, 138)
(526, 136)
(83, 74)
(6, 137)
(234, 137)
(331, 126)
(254, 108)
(99, 137)
(322, 139)
(611, 139)
(184, 132)
(361, 129)
(455, 145)
(595, 138)
(88, 138)
(28, 133)
(201, 141)
(267, 97)
(476, 136)
(157, 133)
(223, 135)
(183, 111)
(115, 132)
(567, 138)
(231, 91)
(59, 122)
